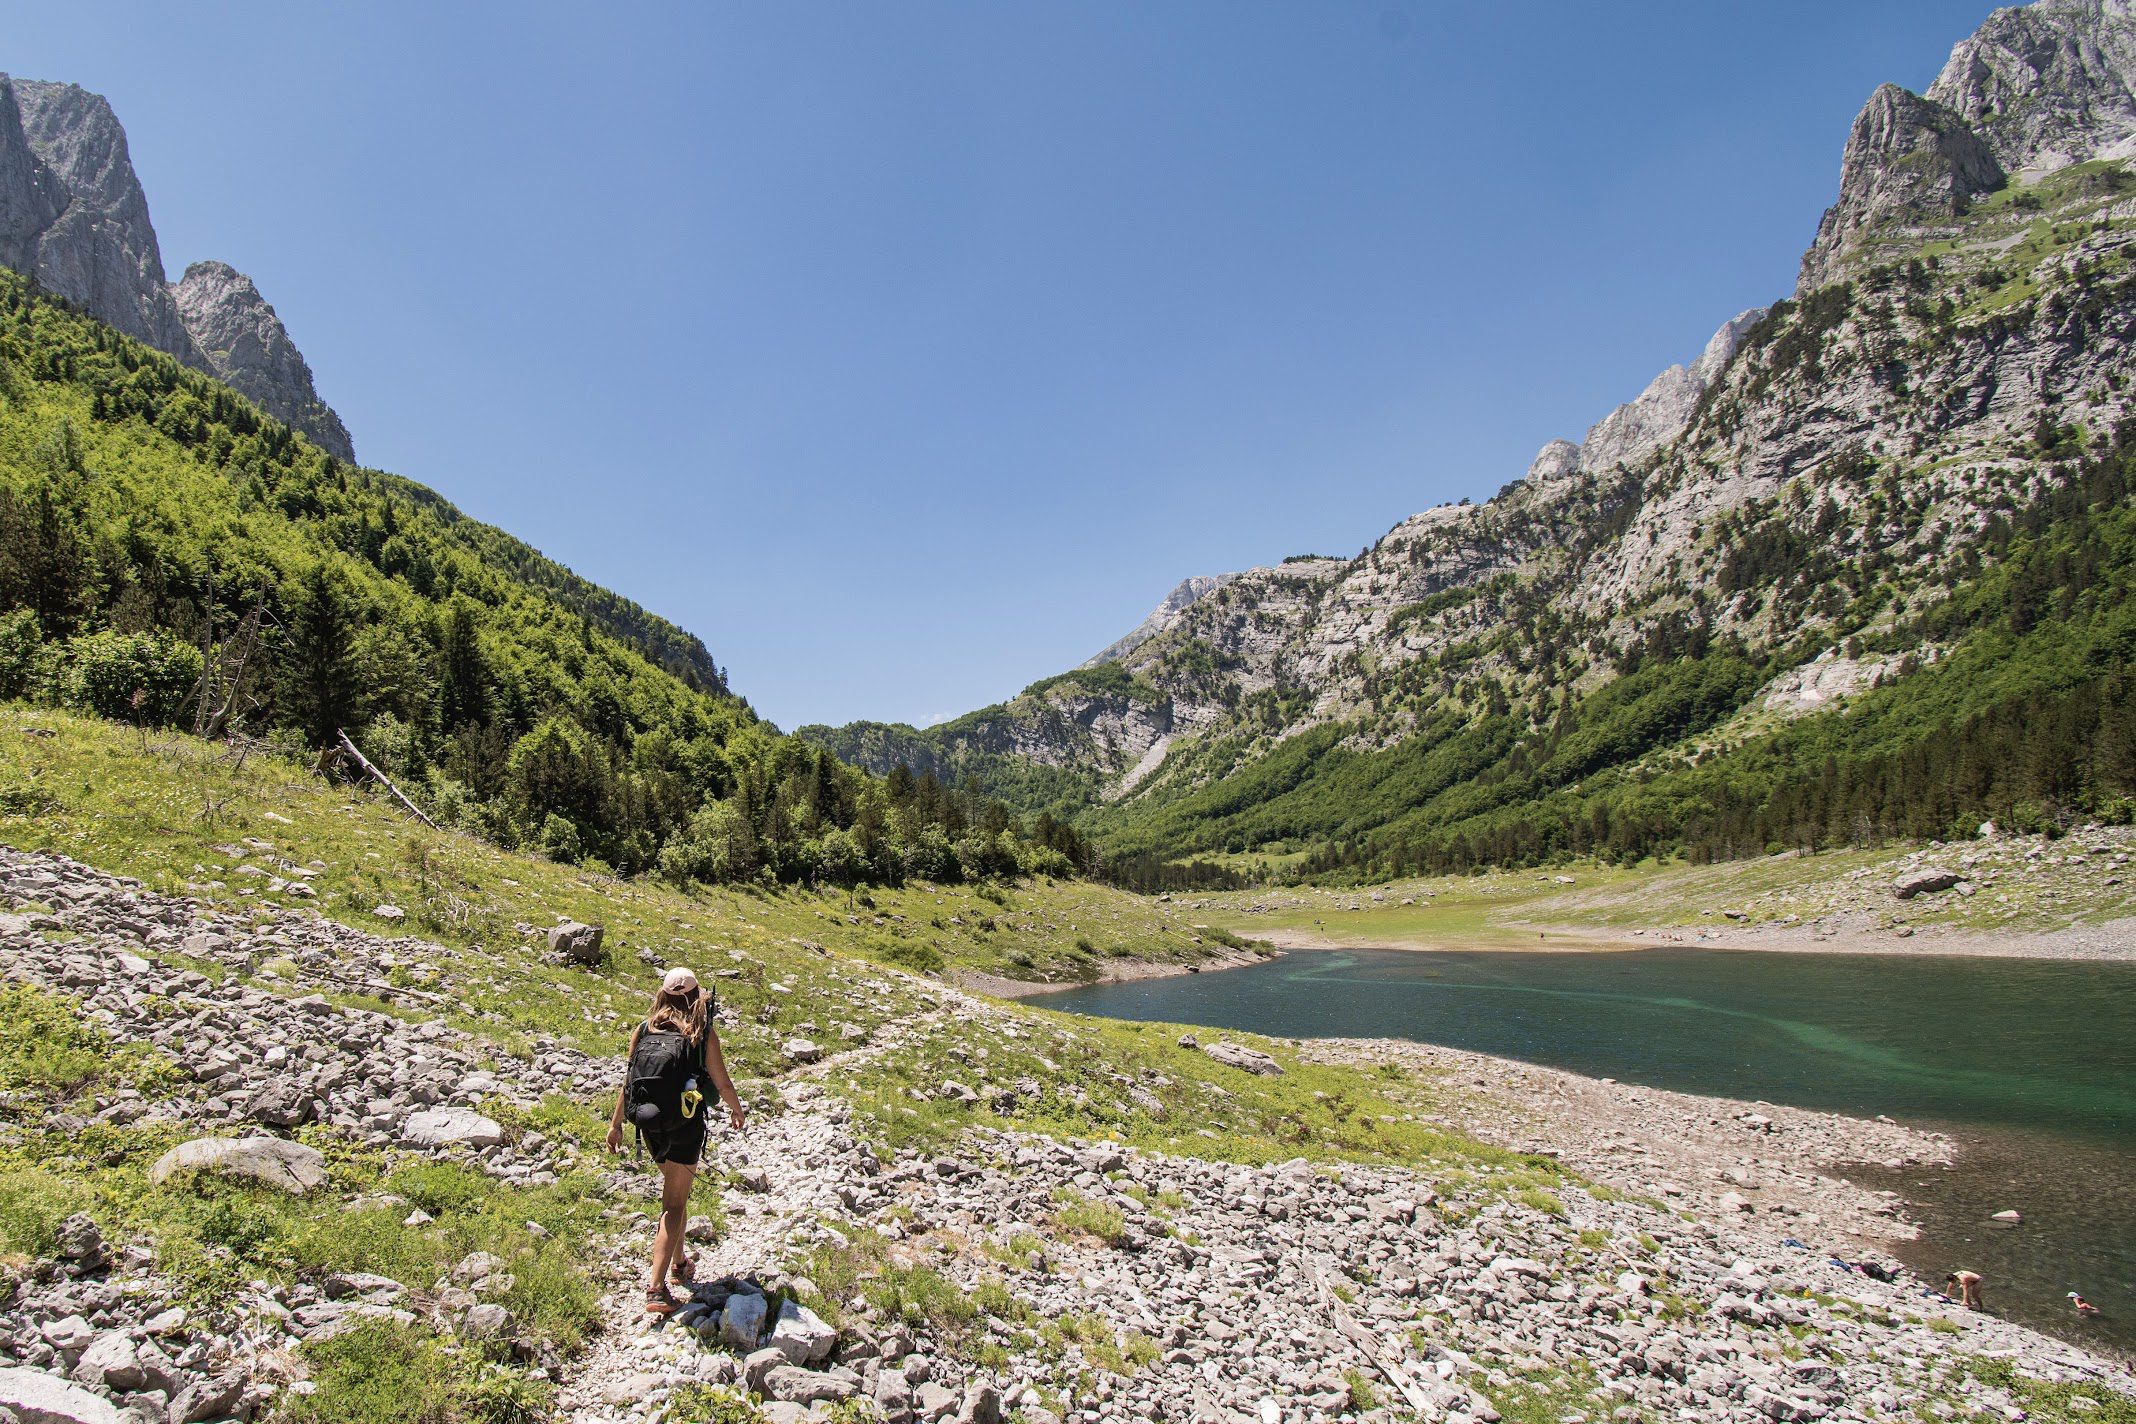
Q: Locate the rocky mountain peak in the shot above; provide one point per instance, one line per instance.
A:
(2047, 85)
(74, 216)
(1909, 161)
(1650, 419)
(97, 249)
(1189, 592)
(244, 343)
(1555, 461)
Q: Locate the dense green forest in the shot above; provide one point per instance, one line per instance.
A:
(170, 555)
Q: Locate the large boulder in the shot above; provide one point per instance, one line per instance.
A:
(1251, 1060)
(447, 1127)
(34, 1397)
(741, 1321)
(1925, 881)
(577, 943)
(292, 1166)
(801, 1336)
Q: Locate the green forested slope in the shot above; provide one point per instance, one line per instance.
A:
(2027, 716)
(153, 524)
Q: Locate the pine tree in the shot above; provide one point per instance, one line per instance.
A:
(319, 687)
(45, 563)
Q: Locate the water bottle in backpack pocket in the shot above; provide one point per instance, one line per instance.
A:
(662, 1067)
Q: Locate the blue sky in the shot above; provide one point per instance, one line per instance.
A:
(909, 353)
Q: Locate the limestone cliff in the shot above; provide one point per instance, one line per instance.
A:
(1909, 161)
(98, 250)
(2047, 85)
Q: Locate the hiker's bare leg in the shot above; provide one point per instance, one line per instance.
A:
(675, 1180)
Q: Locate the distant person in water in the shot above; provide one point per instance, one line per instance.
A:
(2083, 1307)
(1965, 1286)
(672, 1053)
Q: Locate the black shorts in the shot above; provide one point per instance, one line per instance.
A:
(683, 1144)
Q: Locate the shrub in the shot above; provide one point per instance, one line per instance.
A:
(43, 1045)
(32, 1205)
(1102, 1220)
(103, 673)
(19, 641)
(920, 958)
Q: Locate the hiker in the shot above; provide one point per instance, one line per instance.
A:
(671, 1053)
(1966, 1286)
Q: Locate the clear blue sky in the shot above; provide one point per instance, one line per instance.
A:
(910, 352)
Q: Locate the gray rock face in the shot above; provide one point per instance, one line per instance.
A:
(2047, 85)
(1557, 460)
(1635, 430)
(98, 250)
(73, 215)
(1189, 592)
(1908, 159)
(30, 195)
(244, 343)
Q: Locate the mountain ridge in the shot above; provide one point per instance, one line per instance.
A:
(1831, 471)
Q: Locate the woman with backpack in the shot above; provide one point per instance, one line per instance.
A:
(670, 1054)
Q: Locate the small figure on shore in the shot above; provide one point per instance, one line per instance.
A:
(2083, 1307)
(1965, 1285)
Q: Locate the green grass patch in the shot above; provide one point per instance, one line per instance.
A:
(386, 1370)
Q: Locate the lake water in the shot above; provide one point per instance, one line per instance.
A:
(2030, 1063)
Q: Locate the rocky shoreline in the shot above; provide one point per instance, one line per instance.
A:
(1068, 1279)
(2113, 941)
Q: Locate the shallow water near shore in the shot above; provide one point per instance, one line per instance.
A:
(2030, 1063)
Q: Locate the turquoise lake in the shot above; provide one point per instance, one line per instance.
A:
(2030, 1064)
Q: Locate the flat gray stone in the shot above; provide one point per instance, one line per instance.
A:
(447, 1127)
(292, 1166)
(1251, 1060)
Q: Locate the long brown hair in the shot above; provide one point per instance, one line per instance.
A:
(682, 1013)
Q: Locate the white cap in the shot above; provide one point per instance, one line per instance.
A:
(679, 981)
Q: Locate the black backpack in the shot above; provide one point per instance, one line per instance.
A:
(661, 1064)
